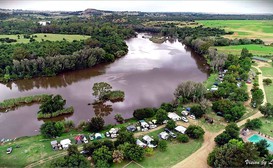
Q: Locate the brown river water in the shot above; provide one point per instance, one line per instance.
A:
(148, 75)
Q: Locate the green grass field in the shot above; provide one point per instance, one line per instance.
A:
(244, 28)
(267, 71)
(50, 37)
(267, 126)
(269, 95)
(259, 50)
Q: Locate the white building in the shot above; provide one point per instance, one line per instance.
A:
(44, 23)
(174, 116)
(180, 129)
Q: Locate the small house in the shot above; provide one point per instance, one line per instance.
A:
(65, 143)
(164, 135)
(180, 129)
(140, 143)
(174, 116)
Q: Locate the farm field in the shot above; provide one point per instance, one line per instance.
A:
(251, 29)
(259, 50)
(50, 37)
(176, 23)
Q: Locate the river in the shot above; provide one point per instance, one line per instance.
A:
(148, 75)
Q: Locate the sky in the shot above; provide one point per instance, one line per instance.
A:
(207, 6)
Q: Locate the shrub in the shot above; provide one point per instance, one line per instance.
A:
(162, 145)
(183, 138)
(161, 115)
(96, 124)
(195, 131)
(197, 111)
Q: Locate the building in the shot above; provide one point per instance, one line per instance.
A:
(180, 129)
(174, 116)
(261, 59)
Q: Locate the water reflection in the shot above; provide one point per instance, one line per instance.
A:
(102, 109)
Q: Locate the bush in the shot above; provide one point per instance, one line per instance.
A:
(183, 138)
(195, 131)
(135, 152)
(140, 114)
(52, 129)
(267, 81)
(253, 124)
(162, 145)
(149, 151)
(170, 124)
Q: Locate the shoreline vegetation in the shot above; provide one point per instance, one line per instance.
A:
(17, 102)
(69, 110)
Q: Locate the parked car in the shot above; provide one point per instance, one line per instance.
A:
(167, 130)
(84, 152)
(107, 134)
(185, 119)
(9, 150)
(220, 114)
(192, 116)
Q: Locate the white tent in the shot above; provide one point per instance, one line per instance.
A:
(98, 136)
(174, 116)
(113, 130)
(180, 129)
(65, 143)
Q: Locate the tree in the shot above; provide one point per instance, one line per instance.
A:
(52, 129)
(167, 107)
(143, 113)
(102, 154)
(136, 153)
(257, 97)
(161, 115)
(101, 89)
(253, 124)
(190, 91)
(267, 110)
(74, 160)
(96, 124)
(231, 132)
(267, 81)
(183, 138)
(52, 104)
(195, 132)
(20, 53)
(197, 111)
(125, 136)
(171, 124)
(262, 146)
(233, 154)
(117, 156)
(119, 118)
(162, 145)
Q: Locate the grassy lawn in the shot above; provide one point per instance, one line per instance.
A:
(31, 149)
(210, 81)
(244, 28)
(215, 127)
(260, 50)
(267, 71)
(267, 126)
(269, 93)
(50, 37)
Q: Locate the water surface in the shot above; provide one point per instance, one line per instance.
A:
(148, 75)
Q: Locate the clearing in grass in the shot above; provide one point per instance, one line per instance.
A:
(259, 50)
(251, 29)
(45, 36)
